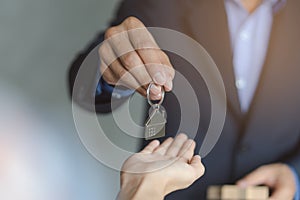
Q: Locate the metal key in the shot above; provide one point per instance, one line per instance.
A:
(155, 124)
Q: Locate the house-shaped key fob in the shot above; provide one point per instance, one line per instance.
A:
(155, 125)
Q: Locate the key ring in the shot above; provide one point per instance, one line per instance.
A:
(148, 96)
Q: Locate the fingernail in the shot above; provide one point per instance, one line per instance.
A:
(159, 78)
(169, 85)
(155, 90)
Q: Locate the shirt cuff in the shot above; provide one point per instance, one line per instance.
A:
(297, 195)
(115, 92)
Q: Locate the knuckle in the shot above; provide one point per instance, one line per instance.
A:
(164, 56)
(171, 72)
(121, 72)
(110, 81)
(132, 21)
(108, 78)
(129, 60)
(103, 69)
(110, 32)
(143, 77)
(168, 66)
(102, 50)
(145, 44)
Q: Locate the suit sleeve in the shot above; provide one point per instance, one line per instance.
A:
(293, 160)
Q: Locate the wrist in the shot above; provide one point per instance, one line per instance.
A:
(137, 187)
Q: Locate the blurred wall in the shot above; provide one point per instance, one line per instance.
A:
(38, 40)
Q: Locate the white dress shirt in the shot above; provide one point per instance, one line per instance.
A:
(250, 33)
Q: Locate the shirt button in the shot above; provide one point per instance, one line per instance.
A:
(240, 84)
(244, 35)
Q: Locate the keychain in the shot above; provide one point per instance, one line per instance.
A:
(155, 125)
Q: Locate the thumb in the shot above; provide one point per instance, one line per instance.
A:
(283, 192)
(197, 166)
(260, 176)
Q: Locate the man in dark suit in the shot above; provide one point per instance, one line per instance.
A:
(255, 46)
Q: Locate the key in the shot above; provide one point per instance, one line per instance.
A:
(155, 125)
(156, 122)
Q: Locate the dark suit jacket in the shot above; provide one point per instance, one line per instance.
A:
(269, 132)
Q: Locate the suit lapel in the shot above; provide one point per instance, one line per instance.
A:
(211, 16)
(281, 71)
(216, 40)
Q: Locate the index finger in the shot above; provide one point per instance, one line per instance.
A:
(259, 176)
(151, 147)
(150, 53)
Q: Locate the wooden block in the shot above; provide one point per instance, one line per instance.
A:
(232, 192)
(213, 193)
(254, 193)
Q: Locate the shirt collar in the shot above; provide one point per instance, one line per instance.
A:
(276, 4)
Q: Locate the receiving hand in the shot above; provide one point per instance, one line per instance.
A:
(160, 169)
(278, 177)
